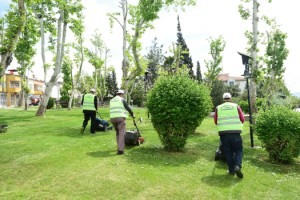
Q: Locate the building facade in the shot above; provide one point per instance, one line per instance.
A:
(10, 88)
(233, 80)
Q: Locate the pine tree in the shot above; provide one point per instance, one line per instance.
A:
(185, 58)
(198, 73)
(155, 59)
(112, 85)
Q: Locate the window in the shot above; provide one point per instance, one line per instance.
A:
(14, 84)
(231, 83)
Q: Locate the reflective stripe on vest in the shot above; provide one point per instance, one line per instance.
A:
(117, 108)
(228, 117)
(88, 102)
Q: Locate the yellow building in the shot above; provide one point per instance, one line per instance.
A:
(10, 88)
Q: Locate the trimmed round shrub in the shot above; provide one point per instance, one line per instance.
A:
(51, 103)
(279, 130)
(177, 106)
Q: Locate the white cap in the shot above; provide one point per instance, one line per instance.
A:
(226, 95)
(92, 90)
(120, 92)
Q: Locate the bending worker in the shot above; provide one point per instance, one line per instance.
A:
(118, 115)
(229, 118)
(89, 108)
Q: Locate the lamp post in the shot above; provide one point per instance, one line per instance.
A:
(147, 81)
(247, 75)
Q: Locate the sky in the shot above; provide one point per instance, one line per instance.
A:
(208, 19)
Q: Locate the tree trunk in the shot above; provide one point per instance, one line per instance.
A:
(254, 59)
(42, 31)
(124, 27)
(59, 56)
(72, 90)
(26, 101)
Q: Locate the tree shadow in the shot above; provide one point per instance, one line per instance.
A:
(260, 158)
(220, 180)
(102, 154)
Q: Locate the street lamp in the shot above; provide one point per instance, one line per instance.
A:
(147, 81)
(247, 75)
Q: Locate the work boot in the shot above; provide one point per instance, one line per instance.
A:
(238, 172)
(231, 173)
(82, 130)
(120, 152)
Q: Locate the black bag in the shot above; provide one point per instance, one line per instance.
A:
(219, 155)
(132, 138)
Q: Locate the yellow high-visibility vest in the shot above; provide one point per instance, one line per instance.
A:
(117, 108)
(228, 117)
(88, 102)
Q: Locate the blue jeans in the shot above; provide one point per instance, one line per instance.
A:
(233, 150)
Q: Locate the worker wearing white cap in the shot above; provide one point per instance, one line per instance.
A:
(89, 108)
(118, 113)
(229, 118)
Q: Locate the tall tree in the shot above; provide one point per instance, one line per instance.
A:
(214, 66)
(66, 11)
(198, 73)
(253, 41)
(15, 18)
(112, 85)
(155, 59)
(45, 13)
(78, 58)
(142, 15)
(24, 53)
(185, 58)
(276, 54)
(97, 58)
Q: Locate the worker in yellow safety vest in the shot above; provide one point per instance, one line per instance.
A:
(118, 113)
(229, 119)
(89, 108)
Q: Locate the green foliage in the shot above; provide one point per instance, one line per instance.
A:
(213, 66)
(155, 59)
(217, 91)
(112, 85)
(244, 106)
(137, 95)
(177, 106)
(260, 104)
(51, 103)
(67, 78)
(184, 58)
(198, 73)
(279, 130)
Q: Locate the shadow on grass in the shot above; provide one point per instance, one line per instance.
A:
(12, 119)
(102, 154)
(74, 132)
(157, 156)
(220, 180)
(260, 158)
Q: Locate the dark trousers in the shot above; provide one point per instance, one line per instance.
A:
(87, 117)
(233, 150)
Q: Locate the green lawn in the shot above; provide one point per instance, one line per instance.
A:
(48, 158)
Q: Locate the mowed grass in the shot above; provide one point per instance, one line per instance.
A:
(48, 158)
